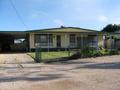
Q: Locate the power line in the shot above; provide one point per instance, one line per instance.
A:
(18, 14)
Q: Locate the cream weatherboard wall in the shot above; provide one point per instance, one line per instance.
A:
(31, 40)
(64, 40)
(100, 40)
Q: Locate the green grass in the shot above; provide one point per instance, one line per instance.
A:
(51, 55)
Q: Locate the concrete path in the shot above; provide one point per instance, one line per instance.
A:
(15, 58)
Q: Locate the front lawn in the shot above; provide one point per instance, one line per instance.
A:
(51, 55)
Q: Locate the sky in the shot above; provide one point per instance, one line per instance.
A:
(41, 14)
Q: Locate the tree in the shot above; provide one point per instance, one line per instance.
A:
(111, 28)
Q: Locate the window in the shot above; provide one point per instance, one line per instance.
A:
(72, 40)
(92, 40)
(44, 39)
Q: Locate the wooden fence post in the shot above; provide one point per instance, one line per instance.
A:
(38, 54)
(68, 51)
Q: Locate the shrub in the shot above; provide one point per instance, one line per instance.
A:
(113, 52)
(109, 52)
(90, 52)
(86, 52)
(104, 52)
(101, 47)
(76, 55)
(96, 53)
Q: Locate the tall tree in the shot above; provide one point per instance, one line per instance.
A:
(111, 28)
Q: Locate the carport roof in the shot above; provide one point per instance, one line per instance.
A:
(16, 34)
(12, 31)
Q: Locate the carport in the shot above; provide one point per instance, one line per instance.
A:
(13, 41)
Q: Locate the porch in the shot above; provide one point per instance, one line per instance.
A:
(63, 41)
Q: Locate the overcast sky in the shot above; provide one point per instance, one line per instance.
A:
(38, 14)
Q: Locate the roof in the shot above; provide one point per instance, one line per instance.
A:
(63, 29)
(56, 30)
(12, 31)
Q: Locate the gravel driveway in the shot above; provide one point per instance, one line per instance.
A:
(15, 58)
(102, 73)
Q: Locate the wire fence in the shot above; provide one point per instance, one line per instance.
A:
(42, 56)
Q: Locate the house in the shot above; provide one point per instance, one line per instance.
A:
(112, 40)
(50, 39)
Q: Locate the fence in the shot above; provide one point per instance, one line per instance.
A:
(38, 56)
(42, 56)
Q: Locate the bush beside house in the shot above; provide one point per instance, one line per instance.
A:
(92, 52)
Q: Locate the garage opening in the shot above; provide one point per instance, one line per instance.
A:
(13, 42)
(5, 42)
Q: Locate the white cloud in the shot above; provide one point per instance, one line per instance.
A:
(59, 22)
(115, 20)
(35, 15)
(103, 18)
(112, 20)
(38, 14)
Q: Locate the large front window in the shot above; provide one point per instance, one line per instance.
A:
(44, 39)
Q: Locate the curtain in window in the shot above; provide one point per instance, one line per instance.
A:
(44, 39)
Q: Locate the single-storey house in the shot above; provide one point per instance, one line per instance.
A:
(50, 39)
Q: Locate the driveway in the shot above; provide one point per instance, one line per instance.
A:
(102, 73)
(15, 58)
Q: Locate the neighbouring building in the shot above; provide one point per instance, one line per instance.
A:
(112, 40)
(52, 39)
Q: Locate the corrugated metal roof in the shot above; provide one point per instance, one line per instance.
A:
(63, 29)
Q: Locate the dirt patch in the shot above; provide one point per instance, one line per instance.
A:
(15, 58)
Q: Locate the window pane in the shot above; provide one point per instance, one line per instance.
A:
(50, 38)
(43, 38)
(72, 40)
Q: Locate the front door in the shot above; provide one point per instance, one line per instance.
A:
(58, 41)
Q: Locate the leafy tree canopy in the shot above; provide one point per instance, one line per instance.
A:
(111, 28)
